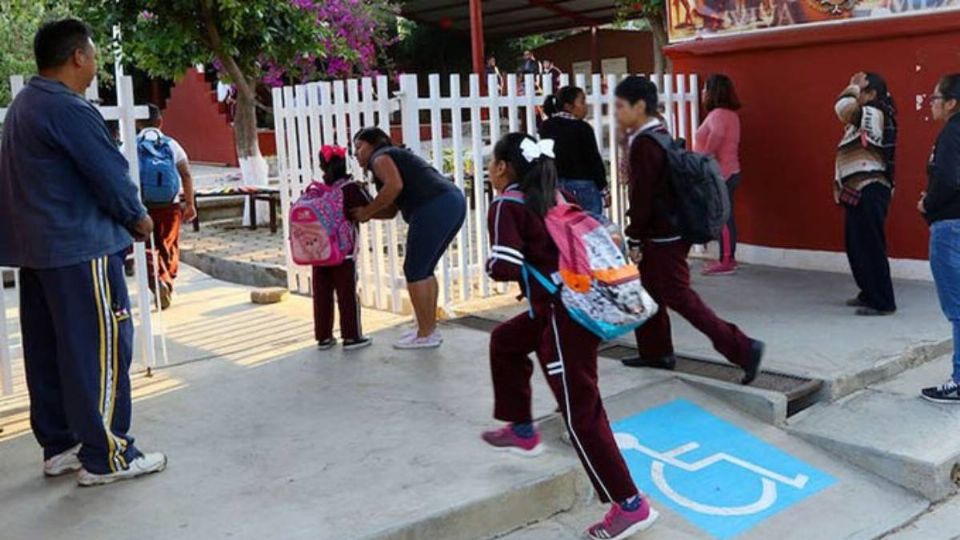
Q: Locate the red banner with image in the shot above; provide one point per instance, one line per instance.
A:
(690, 19)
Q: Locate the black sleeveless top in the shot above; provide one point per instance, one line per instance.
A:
(421, 181)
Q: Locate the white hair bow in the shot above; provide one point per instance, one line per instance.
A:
(533, 150)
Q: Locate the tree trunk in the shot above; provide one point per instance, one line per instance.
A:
(658, 27)
(252, 164)
(253, 167)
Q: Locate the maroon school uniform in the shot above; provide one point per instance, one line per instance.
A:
(567, 352)
(664, 269)
(342, 280)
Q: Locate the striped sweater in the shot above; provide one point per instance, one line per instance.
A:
(865, 154)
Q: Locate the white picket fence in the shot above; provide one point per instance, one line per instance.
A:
(151, 349)
(463, 126)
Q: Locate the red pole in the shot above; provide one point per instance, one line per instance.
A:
(476, 37)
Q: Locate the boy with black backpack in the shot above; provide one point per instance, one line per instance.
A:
(677, 198)
(164, 173)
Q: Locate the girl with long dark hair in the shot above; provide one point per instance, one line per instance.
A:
(433, 206)
(566, 351)
(864, 185)
(940, 205)
(579, 165)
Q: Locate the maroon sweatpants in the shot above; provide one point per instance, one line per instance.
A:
(567, 353)
(166, 243)
(341, 279)
(666, 276)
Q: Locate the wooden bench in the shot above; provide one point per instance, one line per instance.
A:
(252, 194)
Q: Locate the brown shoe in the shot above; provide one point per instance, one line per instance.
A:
(166, 296)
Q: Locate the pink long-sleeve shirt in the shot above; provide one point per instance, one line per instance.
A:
(719, 136)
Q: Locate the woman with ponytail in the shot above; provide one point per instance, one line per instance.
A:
(864, 185)
(523, 171)
(940, 205)
(580, 167)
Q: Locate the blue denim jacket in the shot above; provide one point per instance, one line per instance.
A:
(65, 190)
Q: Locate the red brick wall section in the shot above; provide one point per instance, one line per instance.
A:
(193, 117)
(637, 47)
(788, 81)
(268, 142)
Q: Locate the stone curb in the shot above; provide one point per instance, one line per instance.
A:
(240, 272)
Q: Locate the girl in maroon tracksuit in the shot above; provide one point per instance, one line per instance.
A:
(566, 351)
(341, 279)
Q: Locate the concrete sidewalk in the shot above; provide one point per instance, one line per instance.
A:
(269, 437)
(377, 445)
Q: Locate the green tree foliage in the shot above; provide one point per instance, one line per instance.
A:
(247, 40)
(165, 37)
(654, 14)
(19, 21)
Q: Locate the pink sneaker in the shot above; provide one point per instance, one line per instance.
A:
(505, 440)
(720, 268)
(619, 524)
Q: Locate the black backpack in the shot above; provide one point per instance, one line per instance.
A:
(702, 203)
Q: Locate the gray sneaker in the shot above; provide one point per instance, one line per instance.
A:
(63, 463)
(145, 464)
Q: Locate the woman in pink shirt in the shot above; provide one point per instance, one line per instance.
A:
(719, 136)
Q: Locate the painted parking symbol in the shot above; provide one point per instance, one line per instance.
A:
(714, 474)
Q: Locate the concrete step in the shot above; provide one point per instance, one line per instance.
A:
(890, 430)
(769, 399)
(843, 500)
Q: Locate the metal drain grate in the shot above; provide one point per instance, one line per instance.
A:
(800, 391)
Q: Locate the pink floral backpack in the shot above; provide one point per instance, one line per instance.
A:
(320, 233)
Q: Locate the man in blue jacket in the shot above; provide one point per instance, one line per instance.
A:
(68, 210)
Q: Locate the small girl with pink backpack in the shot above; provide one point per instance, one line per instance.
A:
(322, 236)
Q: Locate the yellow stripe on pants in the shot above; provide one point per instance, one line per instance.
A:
(105, 313)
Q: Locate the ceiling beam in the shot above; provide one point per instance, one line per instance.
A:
(603, 16)
(560, 10)
(529, 31)
(504, 11)
(441, 7)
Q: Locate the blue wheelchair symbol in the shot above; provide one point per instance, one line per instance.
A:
(715, 475)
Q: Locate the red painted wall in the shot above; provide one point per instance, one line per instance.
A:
(193, 117)
(788, 81)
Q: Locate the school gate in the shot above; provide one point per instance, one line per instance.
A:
(454, 128)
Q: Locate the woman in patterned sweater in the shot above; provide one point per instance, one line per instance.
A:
(864, 184)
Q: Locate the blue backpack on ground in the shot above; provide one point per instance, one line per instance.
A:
(159, 177)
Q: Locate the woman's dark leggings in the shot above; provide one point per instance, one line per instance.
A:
(728, 240)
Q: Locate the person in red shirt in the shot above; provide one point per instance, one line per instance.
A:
(567, 352)
(341, 279)
(656, 244)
